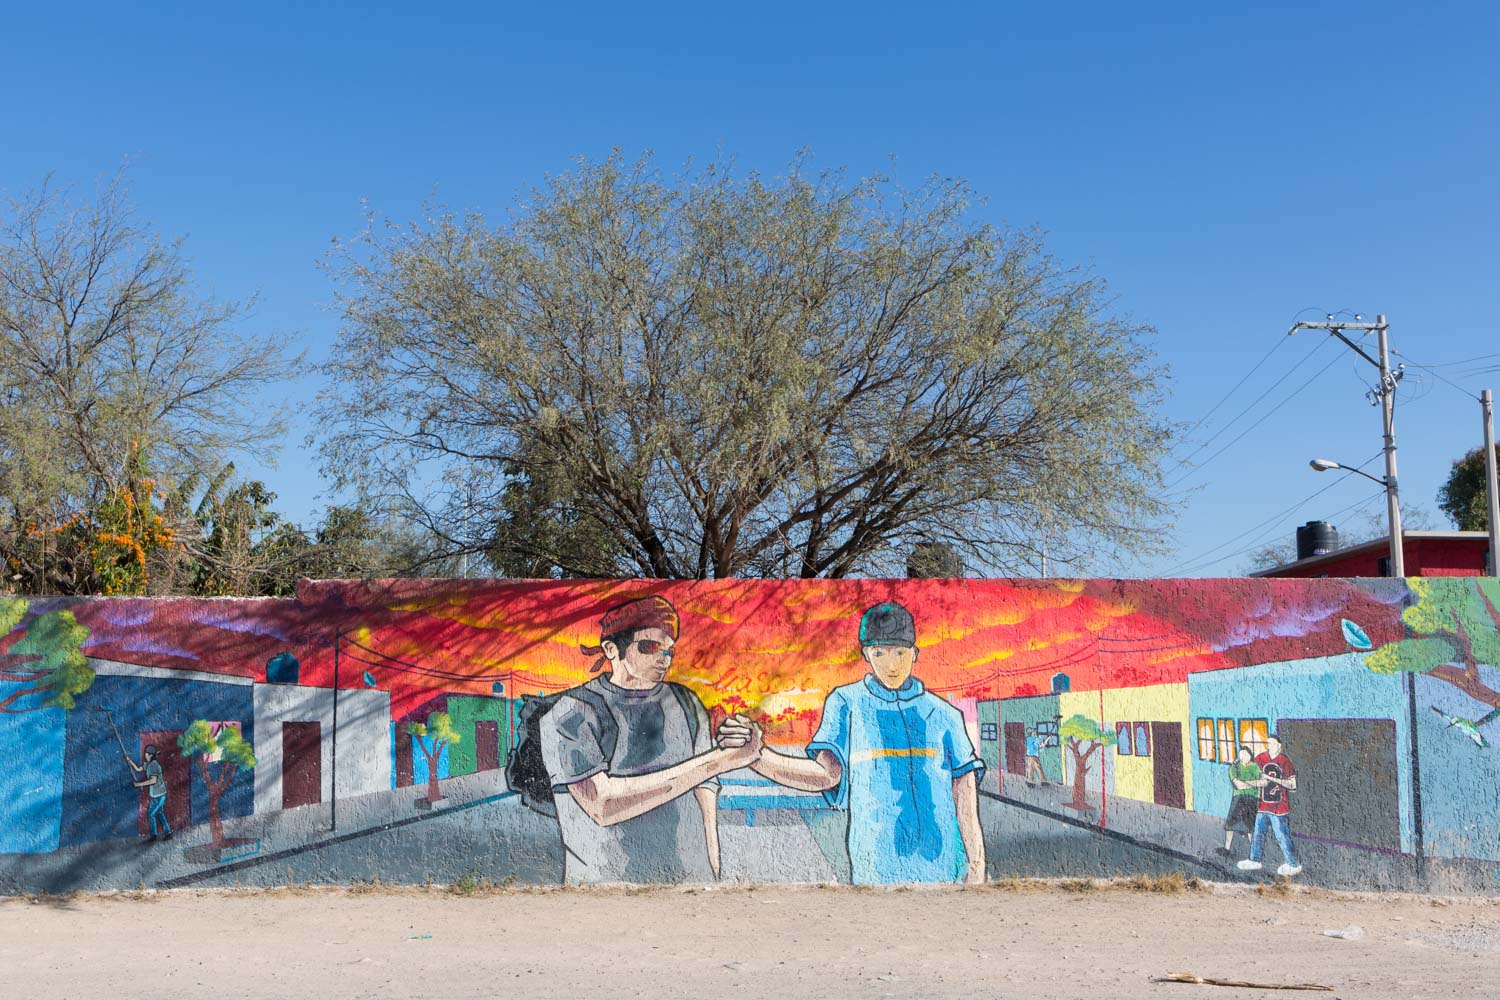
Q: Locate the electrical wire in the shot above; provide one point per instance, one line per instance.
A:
(1344, 510)
(1431, 370)
(1273, 519)
(1280, 343)
(1260, 420)
(1253, 404)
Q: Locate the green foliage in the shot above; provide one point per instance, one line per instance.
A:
(12, 610)
(439, 727)
(1081, 727)
(1454, 620)
(111, 360)
(198, 740)
(53, 646)
(723, 374)
(1464, 495)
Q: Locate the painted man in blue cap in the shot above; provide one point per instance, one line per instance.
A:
(899, 759)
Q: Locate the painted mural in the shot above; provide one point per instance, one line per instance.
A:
(1335, 732)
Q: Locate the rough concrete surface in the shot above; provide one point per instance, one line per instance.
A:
(1014, 940)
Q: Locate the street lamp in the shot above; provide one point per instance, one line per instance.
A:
(1327, 465)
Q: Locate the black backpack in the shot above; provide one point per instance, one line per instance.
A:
(526, 772)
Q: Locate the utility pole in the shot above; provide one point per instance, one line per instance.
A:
(1492, 496)
(1387, 400)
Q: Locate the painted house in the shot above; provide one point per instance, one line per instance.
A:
(988, 715)
(1151, 760)
(295, 752)
(483, 724)
(145, 705)
(1018, 718)
(1345, 728)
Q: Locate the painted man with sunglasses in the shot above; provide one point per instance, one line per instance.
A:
(623, 750)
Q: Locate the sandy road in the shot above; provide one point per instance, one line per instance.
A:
(1013, 941)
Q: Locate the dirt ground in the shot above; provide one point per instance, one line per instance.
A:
(1012, 940)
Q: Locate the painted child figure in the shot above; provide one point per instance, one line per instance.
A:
(899, 759)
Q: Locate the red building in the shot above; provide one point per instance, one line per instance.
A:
(1427, 553)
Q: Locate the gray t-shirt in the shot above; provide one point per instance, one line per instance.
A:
(159, 787)
(667, 844)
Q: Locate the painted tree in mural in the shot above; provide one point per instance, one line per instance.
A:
(719, 374)
(431, 737)
(1456, 628)
(1085, 739)
(230, 750)
(47, 661)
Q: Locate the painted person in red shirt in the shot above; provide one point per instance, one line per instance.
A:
(1278, 779)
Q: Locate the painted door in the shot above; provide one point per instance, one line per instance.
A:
(301, 764)
(1015, 747)
(1346, 780)
(405, 770)
(487, 744)
(1168, 788)
(178, 772)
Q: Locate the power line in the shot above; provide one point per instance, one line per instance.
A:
(1262, 419)
(1253, 404)
(1280, 343)
(1344, 510)
(1273, 519)
(1437, 374)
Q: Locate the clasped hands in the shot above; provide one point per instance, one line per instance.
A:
(742, 739)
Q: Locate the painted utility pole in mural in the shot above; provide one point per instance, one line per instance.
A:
(231, 751)
(47, 661)
(432, 737)
(1456, 626)
(1085, 739)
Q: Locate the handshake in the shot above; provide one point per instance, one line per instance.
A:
(742, 740)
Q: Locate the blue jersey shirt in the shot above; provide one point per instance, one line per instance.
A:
(900, 751)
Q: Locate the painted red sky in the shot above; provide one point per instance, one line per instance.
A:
(772, 644)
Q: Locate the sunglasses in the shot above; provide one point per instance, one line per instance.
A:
(651, 647)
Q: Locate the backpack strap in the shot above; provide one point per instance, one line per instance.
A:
(609, 729)
(690, 706)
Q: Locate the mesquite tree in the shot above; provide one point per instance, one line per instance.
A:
(722, 374)
(232, 752)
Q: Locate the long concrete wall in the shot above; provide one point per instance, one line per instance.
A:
(871, 731)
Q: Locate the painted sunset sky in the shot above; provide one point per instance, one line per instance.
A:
(771, 647)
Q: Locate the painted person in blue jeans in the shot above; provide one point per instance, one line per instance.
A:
(898, 758)
(156, 784)
(1278, 778)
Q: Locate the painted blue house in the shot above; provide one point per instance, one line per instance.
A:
(1345, 728)
(147, 705)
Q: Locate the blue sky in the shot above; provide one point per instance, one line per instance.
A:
(1225, 167)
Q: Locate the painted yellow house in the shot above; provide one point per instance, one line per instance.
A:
(1151, 760)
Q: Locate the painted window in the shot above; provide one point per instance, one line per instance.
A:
(1047, 731)
(989, 731)
(1206, 743)
(1226, 741)
(1142, 739)
(1253, 734)
(1122, 739)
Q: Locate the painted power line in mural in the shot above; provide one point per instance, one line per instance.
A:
(865, 731)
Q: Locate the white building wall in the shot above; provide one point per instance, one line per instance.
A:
(364, 739)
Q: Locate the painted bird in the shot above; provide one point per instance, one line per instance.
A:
(1469, 729)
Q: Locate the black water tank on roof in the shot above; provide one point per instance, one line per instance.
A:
(1316, 538)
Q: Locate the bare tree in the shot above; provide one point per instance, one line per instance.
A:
(725, 375)
(110, 362)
